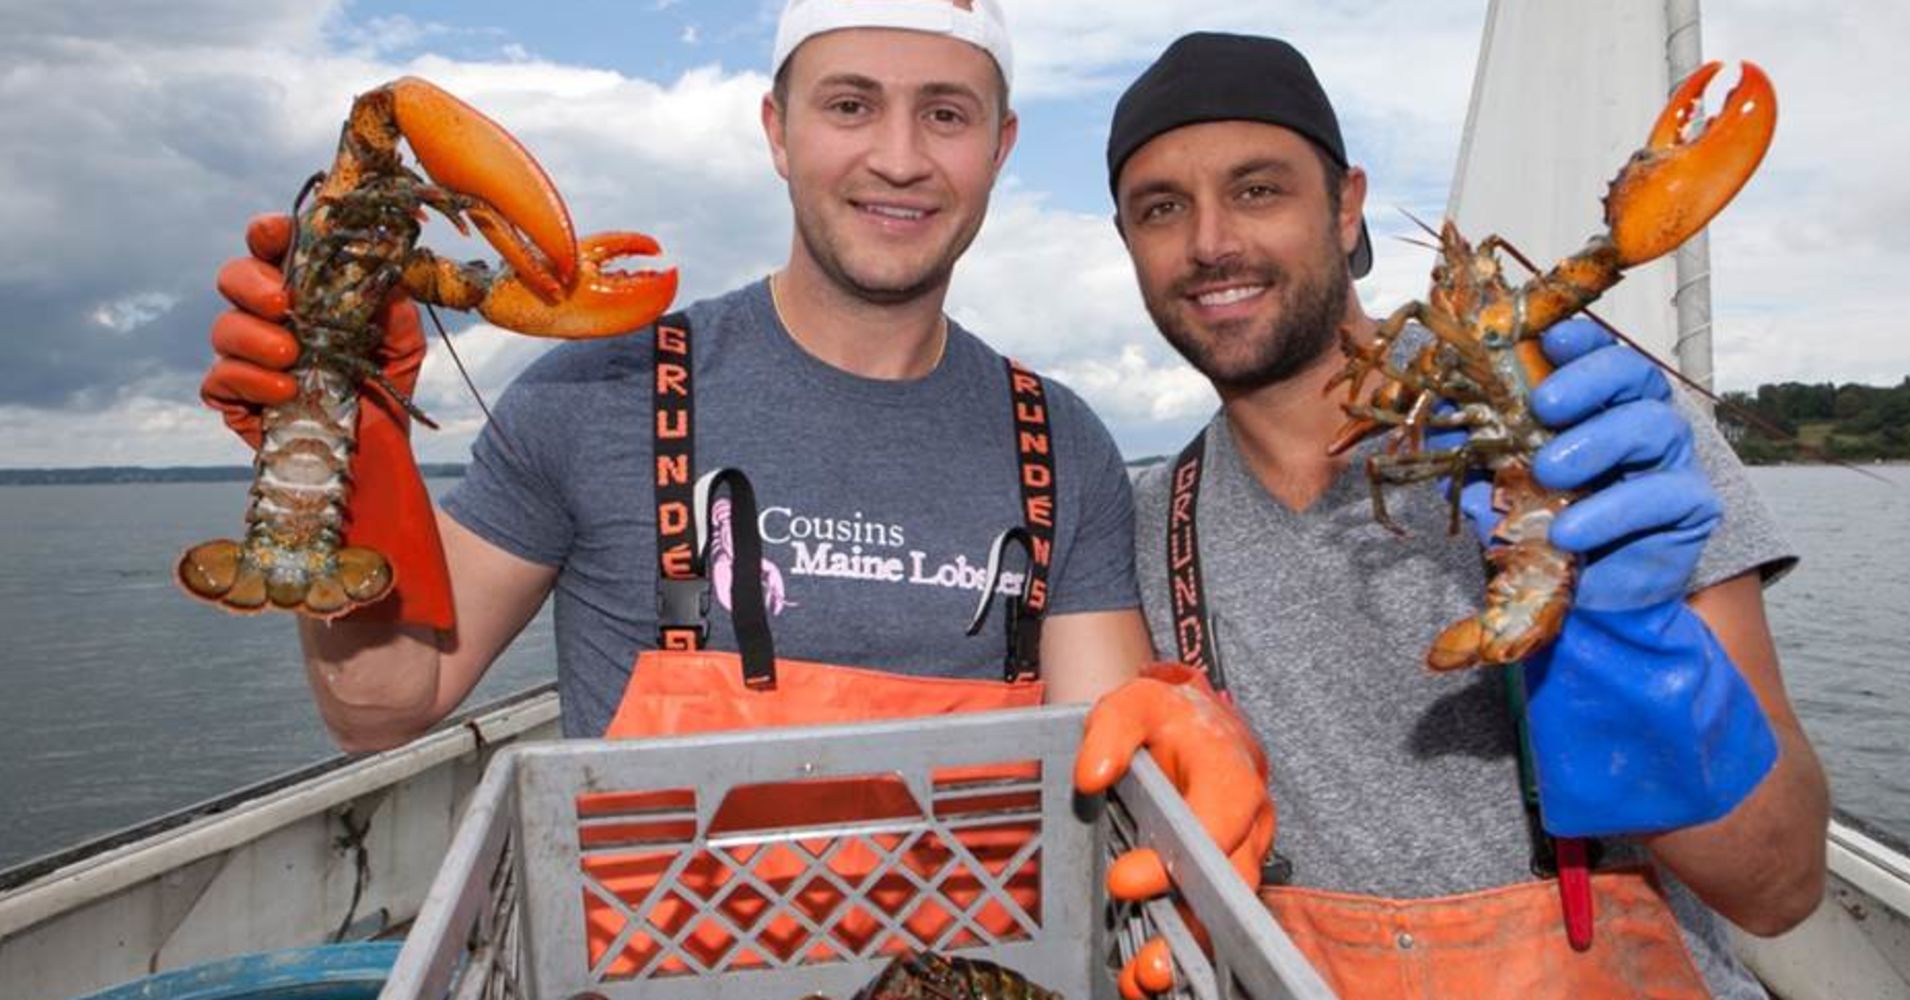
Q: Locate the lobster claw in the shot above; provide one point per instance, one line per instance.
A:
(519, 212)
(601, 302)
(1675, 184)
(551, 286)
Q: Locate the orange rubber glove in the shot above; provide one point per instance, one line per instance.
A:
(388, 508)
(1209, 752)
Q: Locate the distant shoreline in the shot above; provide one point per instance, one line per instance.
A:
(113, 475)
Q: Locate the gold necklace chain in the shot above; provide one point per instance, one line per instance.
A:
(776, 303)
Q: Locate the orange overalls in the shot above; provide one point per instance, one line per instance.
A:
(1510, 941)
(682, 688)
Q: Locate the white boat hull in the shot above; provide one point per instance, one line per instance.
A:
(1857, 945)
(285, 870)
(346, 855)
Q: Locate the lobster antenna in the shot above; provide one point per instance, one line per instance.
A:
(1745, 414)
(298, 205)
(470, 383)
(1417, 221)
(463, 372)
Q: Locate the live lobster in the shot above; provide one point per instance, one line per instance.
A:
(927, 975)
(1484, 359)
(356, 241)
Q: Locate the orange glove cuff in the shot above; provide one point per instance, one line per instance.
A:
(1168, 672)
(390, 510)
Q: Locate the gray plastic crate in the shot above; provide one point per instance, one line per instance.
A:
(1001, 862)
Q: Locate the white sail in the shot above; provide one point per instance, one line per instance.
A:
(1564, 93)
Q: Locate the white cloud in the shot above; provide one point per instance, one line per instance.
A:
(208, 24)
(1055, 289)
(132, 167)
(137, 146)
(129, 314)
(384, 35)
(157, 421)
(1135, 388)
(1808, 260)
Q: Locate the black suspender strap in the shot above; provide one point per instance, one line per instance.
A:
(683, 583)
(1035, 453)
(1193, 626)
(749, 615)
(683, 589)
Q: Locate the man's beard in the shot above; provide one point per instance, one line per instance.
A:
(1305, 326)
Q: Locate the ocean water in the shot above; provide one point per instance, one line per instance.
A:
(121, 699)
(1842, 625)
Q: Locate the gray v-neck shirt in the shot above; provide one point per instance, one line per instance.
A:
(1390, 780)
(878, 499)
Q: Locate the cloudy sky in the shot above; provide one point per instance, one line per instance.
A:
(136, 137)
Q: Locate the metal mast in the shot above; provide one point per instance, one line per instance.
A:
(1692, 300)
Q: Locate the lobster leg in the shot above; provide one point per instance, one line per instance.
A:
(1363, 359)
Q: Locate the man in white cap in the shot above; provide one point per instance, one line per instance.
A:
(892, 452)
(890, 447)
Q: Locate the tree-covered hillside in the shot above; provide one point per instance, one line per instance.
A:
(1850, 423)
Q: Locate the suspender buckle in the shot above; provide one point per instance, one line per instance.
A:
(1023, 662)
(1276, 869)
(683, 607)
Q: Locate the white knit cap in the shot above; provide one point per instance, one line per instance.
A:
(977, 22)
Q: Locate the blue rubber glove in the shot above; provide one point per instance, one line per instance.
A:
(1621, 438)
(1640, 722)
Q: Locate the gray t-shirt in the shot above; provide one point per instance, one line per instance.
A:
(1391, 780)
(878, 500)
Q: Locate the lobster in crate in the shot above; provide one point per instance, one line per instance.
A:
(1478, 371)
(356, 239)
(928, 975)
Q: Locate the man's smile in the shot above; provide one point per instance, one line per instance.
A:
(1227, 300)
(894, 214)
(1226, 295)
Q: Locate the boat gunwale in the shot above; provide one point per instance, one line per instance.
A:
(44, 887)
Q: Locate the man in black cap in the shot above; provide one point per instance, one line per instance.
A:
(1405, 851)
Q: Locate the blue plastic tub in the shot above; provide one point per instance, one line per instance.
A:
(331, 972)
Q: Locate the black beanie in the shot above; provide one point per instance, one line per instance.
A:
(1210, 77)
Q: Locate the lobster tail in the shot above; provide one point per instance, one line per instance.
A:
(250, 578)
